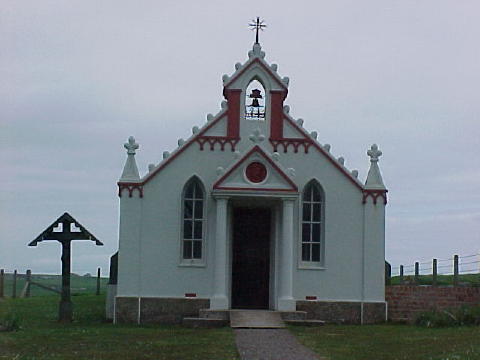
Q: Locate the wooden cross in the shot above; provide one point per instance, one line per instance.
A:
(64, 230)
(257, 25)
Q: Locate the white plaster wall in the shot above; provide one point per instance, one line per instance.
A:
(342, 275)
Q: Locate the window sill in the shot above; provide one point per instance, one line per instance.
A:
(192, 264)
(305, 266)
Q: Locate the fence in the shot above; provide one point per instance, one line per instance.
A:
(428, 272)
(15, 284)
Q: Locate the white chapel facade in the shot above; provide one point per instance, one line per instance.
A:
(251, 212)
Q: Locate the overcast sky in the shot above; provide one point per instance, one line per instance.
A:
(79, 77)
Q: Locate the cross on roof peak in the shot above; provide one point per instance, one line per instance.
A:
(131, 146)
(374, 153)
(257, 25)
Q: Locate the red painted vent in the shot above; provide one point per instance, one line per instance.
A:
(256, 172)
(310, 297)
(190, 295)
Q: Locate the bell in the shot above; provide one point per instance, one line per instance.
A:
(255, 103)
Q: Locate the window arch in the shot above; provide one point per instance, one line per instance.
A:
(193, 220)
(312, 223)
(255, 96)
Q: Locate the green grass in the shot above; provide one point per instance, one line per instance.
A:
(78, 284)
(89, 337)
(391, 342)
(467, 279)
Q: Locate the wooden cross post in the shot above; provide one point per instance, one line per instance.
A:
(64, 230)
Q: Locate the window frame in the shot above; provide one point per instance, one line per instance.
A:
(310, 264)
(199, 262)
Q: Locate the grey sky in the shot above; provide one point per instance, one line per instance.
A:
(79, 77)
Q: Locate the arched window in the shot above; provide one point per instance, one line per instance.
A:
(312, 223)
(193, 220)
(255, 101)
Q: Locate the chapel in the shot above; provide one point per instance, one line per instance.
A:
(250, 212)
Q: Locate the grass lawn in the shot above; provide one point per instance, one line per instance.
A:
(89, 337)
(466, 279)
(389, 342)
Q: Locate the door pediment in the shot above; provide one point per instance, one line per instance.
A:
(258, 172)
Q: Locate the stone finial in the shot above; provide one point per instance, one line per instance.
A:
(256, 51)
(195, 130)
(130, 170)
(374, 177)
(374, 153)
(327, 147)
(166, 154)
(286, 80)
(256, 137)
(238, 66)
(355, 173)
(300, 122)
(131, 146)
(225, 78)
(274, 67)
(314, 135)
(286, 109)
(341, 160)
(209, 117)
(180, 142)
(224, 105)
(151, 167)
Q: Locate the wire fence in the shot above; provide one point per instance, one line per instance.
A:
(15, 284)
(458, 267)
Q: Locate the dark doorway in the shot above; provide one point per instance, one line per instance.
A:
(251, 258)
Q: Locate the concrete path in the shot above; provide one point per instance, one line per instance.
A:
(270, 344)
(260, 319)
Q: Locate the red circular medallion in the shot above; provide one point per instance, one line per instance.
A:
(256, 172)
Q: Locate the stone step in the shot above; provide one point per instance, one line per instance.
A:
(214, 314)
(225, 314)
(293, 315)
(204, 322)
(305, 322)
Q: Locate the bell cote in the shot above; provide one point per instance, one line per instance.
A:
(255, 94)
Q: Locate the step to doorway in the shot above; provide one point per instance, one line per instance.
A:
(256, 319)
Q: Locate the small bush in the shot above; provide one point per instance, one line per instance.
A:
(465, 315)
(9, 322)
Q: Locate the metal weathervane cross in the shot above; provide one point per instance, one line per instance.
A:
(257, 25)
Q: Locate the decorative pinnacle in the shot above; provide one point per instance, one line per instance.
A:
(131, 146)
(256, 137)
(374, 153)
(257, 25)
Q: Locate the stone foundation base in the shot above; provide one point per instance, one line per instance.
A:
(345, 312)
(157, 310)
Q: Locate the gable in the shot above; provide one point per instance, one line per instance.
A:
(258, 172)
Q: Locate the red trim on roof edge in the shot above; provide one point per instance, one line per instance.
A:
(375, 194)
(258, 149)
(270, 71)
(321, 150)
(182, 149)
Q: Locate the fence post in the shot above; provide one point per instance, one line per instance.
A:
(98, 282)
(417, 272)
(434, 272)
(2, 274)
(401, 274)
(14, 289)
(28, 279)
(455, 270)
